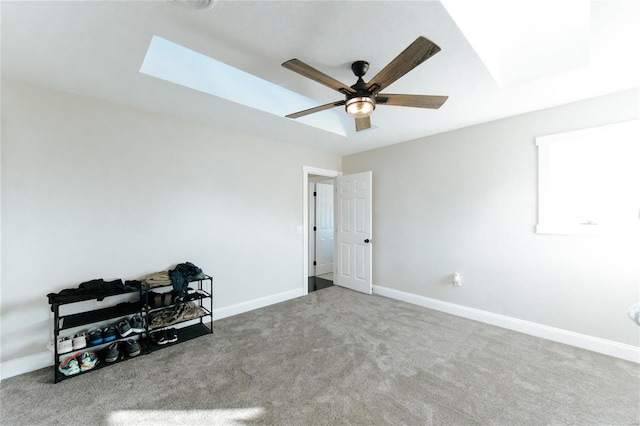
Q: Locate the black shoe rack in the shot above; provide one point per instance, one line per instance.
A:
(77, 320)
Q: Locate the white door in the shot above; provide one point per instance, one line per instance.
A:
(353, 232)
(324, 228)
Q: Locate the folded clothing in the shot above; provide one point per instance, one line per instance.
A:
(94, 289)
(175, 314)
(157, 279)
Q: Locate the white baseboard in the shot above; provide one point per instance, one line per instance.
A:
(595, 344)
(45, 359)
(619, 350)
(25, 364)
(250, 305)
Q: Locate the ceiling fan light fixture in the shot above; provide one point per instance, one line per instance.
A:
(360, 106)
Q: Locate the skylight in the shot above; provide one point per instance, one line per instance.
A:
(520, 42)
(171, 62)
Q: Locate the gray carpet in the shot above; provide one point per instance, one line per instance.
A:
(339, 357)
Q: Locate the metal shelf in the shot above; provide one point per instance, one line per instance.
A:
(195, 299)
(63, 322)
(123, 357)
(99, 315)
(184, 334)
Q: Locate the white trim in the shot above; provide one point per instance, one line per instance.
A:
(306, 171)
(239, 308)
(34, 362)
(570, 229)
(603, 132)
(547, 222)
(588, 230)
(25, 364)
(595, 344)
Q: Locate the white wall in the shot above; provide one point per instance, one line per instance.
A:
(466, 201)
(95, 190)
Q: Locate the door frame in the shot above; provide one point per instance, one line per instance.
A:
(306, 171)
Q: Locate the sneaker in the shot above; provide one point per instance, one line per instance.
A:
(137, 323)
(95, 337)
(88, 360)
(124, 329)
(194, 294)
(69, 366)
(159, 337)
(79, 341)
(109, 334)
(172, 335)
(113, 353)
(131, 347)
(65, 344)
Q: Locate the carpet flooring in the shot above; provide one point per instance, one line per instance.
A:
(340, 357)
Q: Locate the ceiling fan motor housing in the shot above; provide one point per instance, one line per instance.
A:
(360, 68)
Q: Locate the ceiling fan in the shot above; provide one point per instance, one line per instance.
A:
(361, 98)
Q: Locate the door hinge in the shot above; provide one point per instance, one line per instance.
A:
(315, 194)
(314, 263)
(315, 229)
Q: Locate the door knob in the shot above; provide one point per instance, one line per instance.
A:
(367, 241)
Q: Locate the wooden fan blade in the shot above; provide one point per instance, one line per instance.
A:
(417, 101)
(417, 52)
(308, 71)
(363, 123)
(315, 109)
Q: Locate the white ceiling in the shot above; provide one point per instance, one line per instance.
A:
(96, 49)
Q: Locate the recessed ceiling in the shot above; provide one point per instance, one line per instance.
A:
(96, 49)
(177, 64)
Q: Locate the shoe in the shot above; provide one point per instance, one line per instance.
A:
(69, 366)
(158, 300)
(137, 323)
(132, 347)
(113, 353)
(79, 341)
(155, 299)
(88, 360)
(159, 337)
(193, 294)
(95, 337)
(109, 334)
(65, 344)
(124, 329)
(172, 335)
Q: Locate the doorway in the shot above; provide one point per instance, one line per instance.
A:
(319, 243)
(321, 232)
(352, 232)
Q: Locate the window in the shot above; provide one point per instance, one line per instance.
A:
(589, 181)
